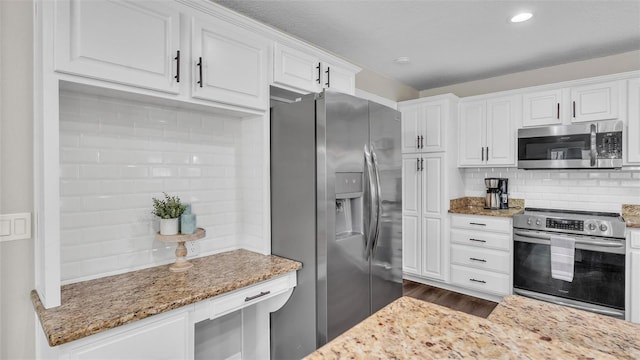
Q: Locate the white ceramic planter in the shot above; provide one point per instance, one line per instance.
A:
(169, 226)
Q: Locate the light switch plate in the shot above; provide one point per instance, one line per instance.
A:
(15, 226)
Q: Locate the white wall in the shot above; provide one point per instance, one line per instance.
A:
(613, 64)
(587, 190)
(16, 176)
(115, 155)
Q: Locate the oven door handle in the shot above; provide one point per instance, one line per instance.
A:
(542, 239)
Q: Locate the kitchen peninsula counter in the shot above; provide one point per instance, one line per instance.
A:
(93, 306)
(410, 329)
(475, 206)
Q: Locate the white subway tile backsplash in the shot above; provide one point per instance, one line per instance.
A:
(604, 190)
(115, 155)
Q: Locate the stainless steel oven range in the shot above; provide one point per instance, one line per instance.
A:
(596, 242)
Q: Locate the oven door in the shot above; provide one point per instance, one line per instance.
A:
(599, 272)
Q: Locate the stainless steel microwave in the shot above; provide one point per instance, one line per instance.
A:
(583, 146)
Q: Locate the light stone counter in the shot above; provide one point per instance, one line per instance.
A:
(93, 306)
(414, 329)
(631, 215)
(475, 206)
(560, 323)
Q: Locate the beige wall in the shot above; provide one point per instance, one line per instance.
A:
(16, 176)
(578, 70)
(382, 86)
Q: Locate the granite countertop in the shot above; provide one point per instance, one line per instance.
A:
(93, 306)
(475, 206)
(631, 215)
(413, 329)
(585, 329)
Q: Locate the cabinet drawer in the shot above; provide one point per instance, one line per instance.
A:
(492, 260)
(236, 300)
(483, 223)
(481, 239)
(480, 280)
(634, 239)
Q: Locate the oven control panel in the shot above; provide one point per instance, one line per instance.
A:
(565, 224)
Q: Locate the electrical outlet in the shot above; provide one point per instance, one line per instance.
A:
(193, 248)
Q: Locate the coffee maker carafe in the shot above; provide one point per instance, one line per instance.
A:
(497, 196)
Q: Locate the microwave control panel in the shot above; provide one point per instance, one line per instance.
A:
(609, 145)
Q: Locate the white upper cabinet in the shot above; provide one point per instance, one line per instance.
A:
(589, 102)
(487, 133)
(296, 68)
(229, 64)
(306, 71)
(423, 126)
(542, 108)
(632, 140)
(126, 42)
(595, 102)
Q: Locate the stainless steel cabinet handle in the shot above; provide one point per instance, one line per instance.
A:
(417, 164)
(480, 260)
(421, 164)
(487, 153)
(558, 111)
(421, 142)
(574, 109)
(478, 224)
(477, 240)
(594, 153)
(177, 59)
(482, 152)
(478, 281)
(262, 293)
(417, 141)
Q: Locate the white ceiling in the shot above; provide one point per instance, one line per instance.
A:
(454, 41)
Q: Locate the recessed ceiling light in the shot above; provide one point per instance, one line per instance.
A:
(402, 60)
(523, 16)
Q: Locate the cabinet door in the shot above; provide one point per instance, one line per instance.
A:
(634, 281)
(432, 126)
(431, 172)
(230, 64)
(542, 108)
(411, 117)
(411, 183)
(296, 69)
(501, 131)
(161, 339)
(472, 134)
(433, 255)
(127, 42)
(595, 102)
(633, 126)
(338, 79)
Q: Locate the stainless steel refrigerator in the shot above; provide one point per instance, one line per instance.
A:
(336, 206)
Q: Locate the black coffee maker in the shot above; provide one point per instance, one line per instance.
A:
(497, 196)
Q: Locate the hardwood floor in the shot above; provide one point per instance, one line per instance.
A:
(468, 304)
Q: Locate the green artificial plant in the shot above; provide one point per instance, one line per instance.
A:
(168, 208)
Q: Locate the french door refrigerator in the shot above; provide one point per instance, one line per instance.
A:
(336, 206)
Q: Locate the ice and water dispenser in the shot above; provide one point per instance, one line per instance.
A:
(349, 204)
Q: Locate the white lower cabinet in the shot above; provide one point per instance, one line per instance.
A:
(234, 325)
(422, 215)
(481, 253)
(633, 274)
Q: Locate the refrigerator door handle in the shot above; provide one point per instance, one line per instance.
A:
(372, 191)
(377, 202)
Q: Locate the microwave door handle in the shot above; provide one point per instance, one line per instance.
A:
(594, 153)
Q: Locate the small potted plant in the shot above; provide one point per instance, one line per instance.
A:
(168, 210)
